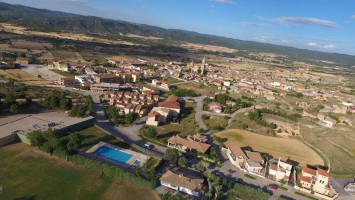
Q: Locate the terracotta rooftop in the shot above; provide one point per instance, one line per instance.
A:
(191, 144)
(169, 104)
(305, 178)
(237, 151)
(309, 171)
(323, 172)
(182, 180)
(256, 157)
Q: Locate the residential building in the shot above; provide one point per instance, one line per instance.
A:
(22, 61)
(61, 66)
(188, 143)
(215, 107)
(281, 170)
(106, 78)
(182, 182)
(66, 81)
(315, 180)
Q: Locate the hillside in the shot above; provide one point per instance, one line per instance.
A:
(49, 21)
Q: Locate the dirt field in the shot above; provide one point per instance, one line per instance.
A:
(42, 70)
(276, 147)
(208, 47)
(336, 143)
(23, 76)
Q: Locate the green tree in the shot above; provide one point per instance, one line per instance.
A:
(63, 103)
(74, 142)
(200, 166)
(152, 132)
(36, 138)
(10, 98)
(171, 156)
(182, 162)
(13, 108)
(106, 64)
(129, 118)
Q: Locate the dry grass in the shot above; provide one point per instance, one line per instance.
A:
(276, 147)
(23, 77)
(215, 122)
(143, 37)
(208, 47)
(71, 36)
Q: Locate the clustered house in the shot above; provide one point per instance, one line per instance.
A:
(245, 160)
(61, 66)
(183, 182)
(131, 102)
(196, 142)
(282, 170)
(164, 112)
(315, 180)
(215, 107)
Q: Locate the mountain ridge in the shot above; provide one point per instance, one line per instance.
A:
(48, 20)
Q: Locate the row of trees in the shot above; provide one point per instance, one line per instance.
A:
(172, 157)
(256, 116)
(182, 92)
(49, 141)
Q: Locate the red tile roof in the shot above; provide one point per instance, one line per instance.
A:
(169, 104)
(309, 171)
(323, 172)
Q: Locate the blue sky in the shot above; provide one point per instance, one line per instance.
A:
(324, 25)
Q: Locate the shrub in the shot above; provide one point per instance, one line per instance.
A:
(152, 132)
(171, 156)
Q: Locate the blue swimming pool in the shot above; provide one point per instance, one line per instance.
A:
(113, 154)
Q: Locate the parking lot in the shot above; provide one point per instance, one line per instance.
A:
(42, 70)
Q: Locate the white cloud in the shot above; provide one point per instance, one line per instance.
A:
(285, 41)
(302, 21)
(353, 17)
(253, 24)
(224, 1)
(327, 46)
(313, 44)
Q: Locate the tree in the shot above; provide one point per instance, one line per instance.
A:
(74, 142)
(106, 64)
(36, 138)
(182, 162)
(152, 132)
(129, 118)
(10, 98)
(13, 108)
(171, 156)
(200, 166)
(63, 103)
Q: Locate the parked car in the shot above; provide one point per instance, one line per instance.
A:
(239, 180)
(273, 186)
(148, 146)
(217, 173)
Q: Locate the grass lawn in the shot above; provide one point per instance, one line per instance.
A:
(27, 173)
(276, 147)
(172, 80)
(94, 135)
(187, 126)
(198, 88)
(63, 73)
(215, 122)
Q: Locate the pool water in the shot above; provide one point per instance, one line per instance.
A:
(113, 154)
(137, 162)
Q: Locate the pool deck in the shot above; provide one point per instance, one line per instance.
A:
(135, 155)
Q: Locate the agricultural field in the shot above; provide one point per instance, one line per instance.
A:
(199, 88)
(276, 147)
(25, 173)
(336, 143)
(23, 77)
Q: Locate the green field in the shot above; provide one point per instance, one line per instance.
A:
(93, 135)
(27, 173)
(199, 88)
(215, 122)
